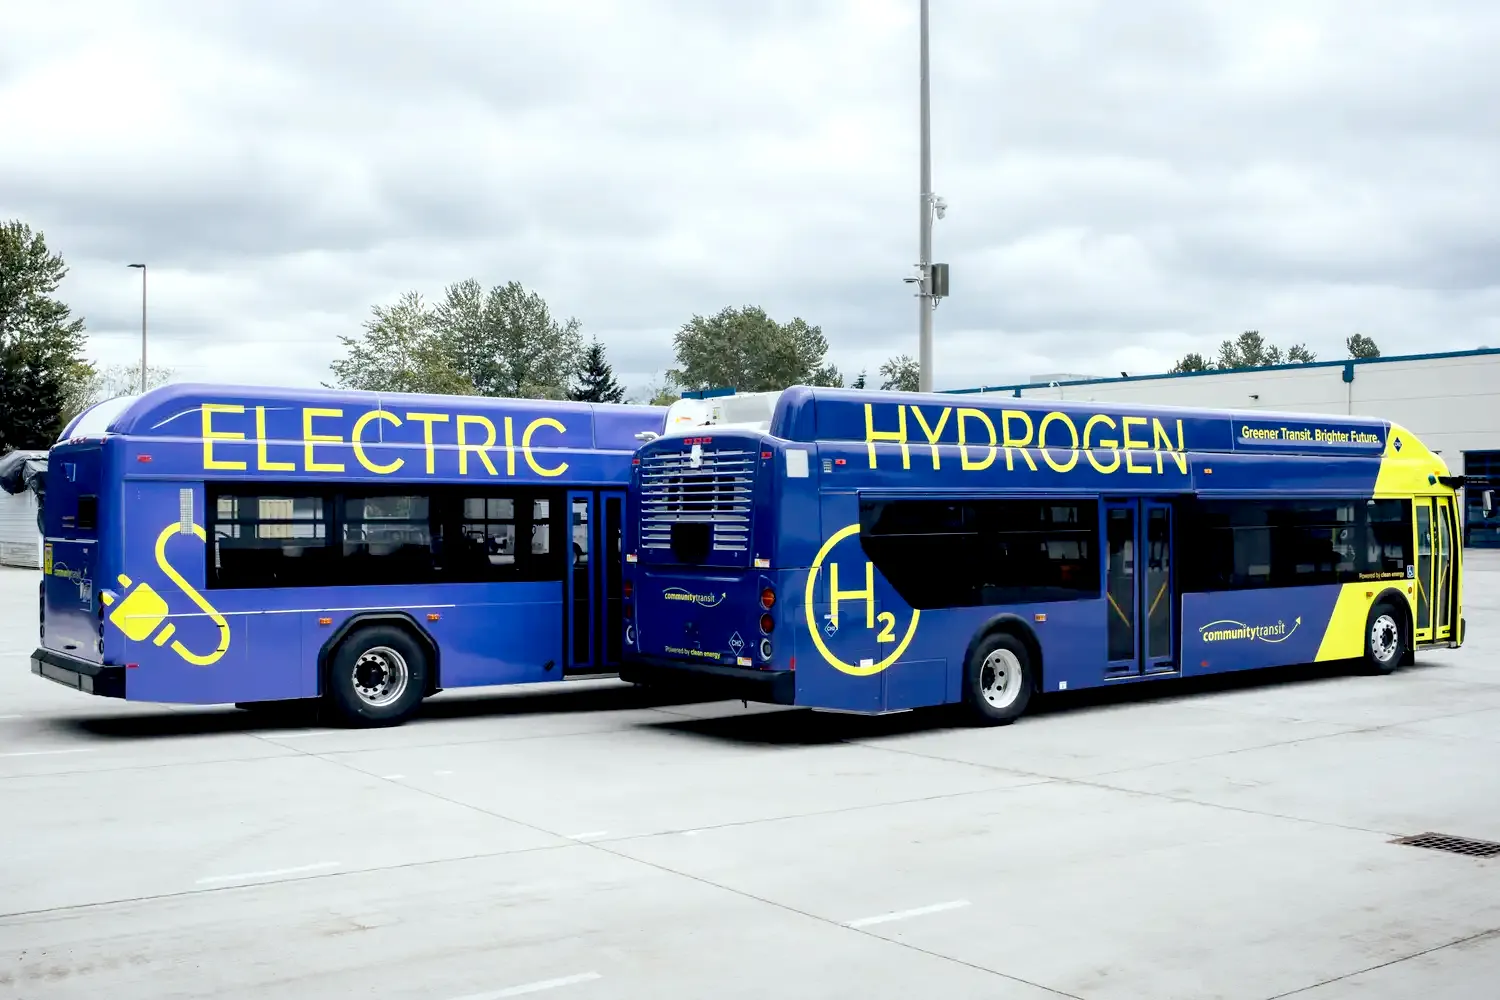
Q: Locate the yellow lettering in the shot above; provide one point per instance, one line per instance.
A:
(1109, 443)
(1041, 441)
(464, 447)
(359, 448)
(309, 439)
(968, 464)
(526, 446)
(1131, 445)
(1011, 442)
(262, 460)
(210, 435)
(932, 433)
(427, 420)
(510, 446)
(899, 435)
(1159, 438)
(835, 595)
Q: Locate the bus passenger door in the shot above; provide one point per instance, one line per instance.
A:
(594, 599)
(1445, 585)
(1426, 563)
(578, 596)
(1140, 587)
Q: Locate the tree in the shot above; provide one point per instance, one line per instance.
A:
(596, 379)
(41, 344)
(902, 373)
(858, 383)
(505, 342)
(31, 392)
(749, 351)
(1360, 346)
(1192, 362)
(1248, 350)
(399, 352)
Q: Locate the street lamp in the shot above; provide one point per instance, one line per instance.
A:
(143, 322)
(931, 279)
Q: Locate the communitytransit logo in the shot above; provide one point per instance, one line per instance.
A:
(1229, 630)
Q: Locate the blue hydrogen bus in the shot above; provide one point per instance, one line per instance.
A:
(878, 551)
(221, 544)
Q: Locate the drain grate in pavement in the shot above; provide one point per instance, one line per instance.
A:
(1466, 846)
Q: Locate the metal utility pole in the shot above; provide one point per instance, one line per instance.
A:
(924, 294)
(143, 319)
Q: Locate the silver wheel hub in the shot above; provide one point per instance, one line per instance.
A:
(1000, 679)
(1385, 638)
(380, 676)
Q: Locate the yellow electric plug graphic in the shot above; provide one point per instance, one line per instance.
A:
(138, 614)
(143, 609)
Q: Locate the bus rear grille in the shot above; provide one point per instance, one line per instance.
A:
(716, 491)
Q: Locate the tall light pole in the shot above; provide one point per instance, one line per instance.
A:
(932, 279)
(924, 237)
(143, 318)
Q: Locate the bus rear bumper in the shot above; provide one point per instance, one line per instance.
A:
(774, 687)
(90, 678)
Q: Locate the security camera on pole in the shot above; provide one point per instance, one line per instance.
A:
(931, 279)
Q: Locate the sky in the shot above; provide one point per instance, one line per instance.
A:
(1126, 182)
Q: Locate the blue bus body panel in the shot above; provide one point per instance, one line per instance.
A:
(854, 644)
(140, 588)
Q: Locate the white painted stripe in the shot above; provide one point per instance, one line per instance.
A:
(297, 735)
(392, 777)
(44, 753)
(536, 987)
(273, 873)
(6, 717)
(590, 835)
(920, 911)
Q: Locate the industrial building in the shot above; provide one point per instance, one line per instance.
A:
(1450, 400)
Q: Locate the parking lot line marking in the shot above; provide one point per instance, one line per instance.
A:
(392, 777)
(536, 987)
(591, 835)
(273, 873)
(4, 718)
(297, 735)
(920, 911)
(44, 753)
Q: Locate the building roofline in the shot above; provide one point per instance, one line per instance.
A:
(1343, 362)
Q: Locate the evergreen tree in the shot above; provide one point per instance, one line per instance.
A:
(41, 344)
(858, 383)
(596, 378)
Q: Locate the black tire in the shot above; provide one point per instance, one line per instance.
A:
(992, 700)
(1386, 640)
(363, 685)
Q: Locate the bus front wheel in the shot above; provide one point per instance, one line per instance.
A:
(377, 676)
(1385, 638)
(998, 680)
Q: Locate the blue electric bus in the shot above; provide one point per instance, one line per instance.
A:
(223, 544)
(878, 551)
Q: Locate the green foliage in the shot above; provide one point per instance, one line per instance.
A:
(859, 382)
(1248, 350)
(902, 373)
(41, 344)
(506, 342)
(660, 393)
(749, 351)
(399, 352)
(596, 379)
(1360, 346)
(503, 342)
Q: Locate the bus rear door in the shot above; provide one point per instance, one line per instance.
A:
(594, 599)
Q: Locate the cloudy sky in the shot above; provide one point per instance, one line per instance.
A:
(1126, 181)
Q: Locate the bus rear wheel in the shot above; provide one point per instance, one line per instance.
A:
(1385, 638)
(998, 680)
(376, 677)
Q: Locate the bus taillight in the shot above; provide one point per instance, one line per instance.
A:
(767, 623)
(629, 587)
(767, 598)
